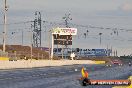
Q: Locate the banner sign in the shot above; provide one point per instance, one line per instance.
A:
(62, 42)
(65, 31)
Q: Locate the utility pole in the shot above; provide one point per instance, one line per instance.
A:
(52, 47)
(22, 37)
(31, 45)
(5, 24)
(49, 45)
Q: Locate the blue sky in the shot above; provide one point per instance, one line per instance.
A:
(100, 13)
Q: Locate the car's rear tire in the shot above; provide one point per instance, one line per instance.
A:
(86, 82)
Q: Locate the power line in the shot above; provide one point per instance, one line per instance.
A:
(75, 25)
(22, 22)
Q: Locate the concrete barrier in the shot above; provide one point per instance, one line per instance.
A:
(40, 63)
(99, 62)
(4, 58)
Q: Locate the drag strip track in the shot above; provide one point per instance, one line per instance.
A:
(44, 72)
(56, 77)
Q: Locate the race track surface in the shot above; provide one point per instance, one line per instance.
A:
(60, 77)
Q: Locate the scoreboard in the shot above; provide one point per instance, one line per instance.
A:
(63, 36)
(62, 39)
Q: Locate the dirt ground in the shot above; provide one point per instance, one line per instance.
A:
(24, 52)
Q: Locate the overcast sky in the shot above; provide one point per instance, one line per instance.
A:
(78, 8)
(106, 13)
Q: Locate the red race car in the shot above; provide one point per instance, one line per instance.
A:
(117, 62)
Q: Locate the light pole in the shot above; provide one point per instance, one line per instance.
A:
(85, 35)
(5, 28)
(100, 37)
(87, 32)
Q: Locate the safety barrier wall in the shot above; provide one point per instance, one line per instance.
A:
(40, 63)
(99, 62)
(4, 58)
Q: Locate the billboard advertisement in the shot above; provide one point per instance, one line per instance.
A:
(95, 52)
(65, 31)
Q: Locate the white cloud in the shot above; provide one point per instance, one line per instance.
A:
(126, 7)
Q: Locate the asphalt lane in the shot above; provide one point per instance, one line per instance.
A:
(60, 77)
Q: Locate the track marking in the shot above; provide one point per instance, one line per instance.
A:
(62, 72)
(52, 73)
(76, 69)
(71, 71)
